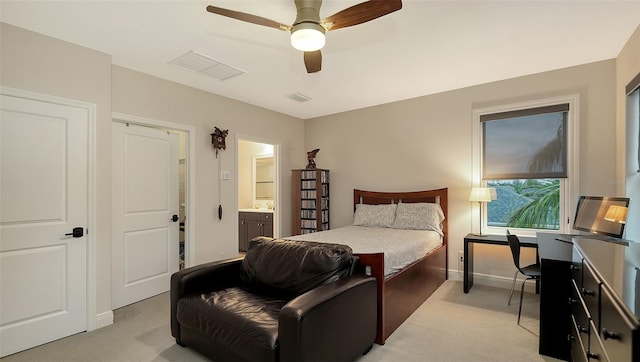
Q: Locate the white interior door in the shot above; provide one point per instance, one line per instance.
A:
(145, 198)
(43, 197)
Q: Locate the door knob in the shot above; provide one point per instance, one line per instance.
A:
(609, 335)
(592, 355)
(77, 232)
(586, 292)
(174, 218)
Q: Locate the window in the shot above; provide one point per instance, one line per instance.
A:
(525, 154)
(633, 93)
(632, 157)
(525, 204)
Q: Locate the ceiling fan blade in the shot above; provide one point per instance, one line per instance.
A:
(361, 13)
(313, 61)
(248, 18)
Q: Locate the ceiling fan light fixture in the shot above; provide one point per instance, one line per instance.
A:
(307, 37)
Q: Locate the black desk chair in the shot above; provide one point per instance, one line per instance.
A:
(531, 272)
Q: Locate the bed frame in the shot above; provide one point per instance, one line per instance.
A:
(402, 293)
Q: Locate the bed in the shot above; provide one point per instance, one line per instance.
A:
(407, 283)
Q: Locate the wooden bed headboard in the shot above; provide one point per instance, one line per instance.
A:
(438, 196)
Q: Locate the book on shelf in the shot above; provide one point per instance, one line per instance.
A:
(309, 174)
(325, 190)
(309, 223)
(308, 214)
(308, 184)
(308, 204)
(324, 177)
(308, 194)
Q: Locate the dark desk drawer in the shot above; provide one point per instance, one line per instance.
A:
(596, 350)
(579, 309)
(256, 216)
(615, 329)
(248, 215)
(578, 346)
(590, 292)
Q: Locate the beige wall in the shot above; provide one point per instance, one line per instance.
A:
(141, 95)
(628, 179)
(37, 63)
(425, 143)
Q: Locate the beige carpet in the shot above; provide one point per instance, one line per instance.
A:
(453, 326)
(450, 326)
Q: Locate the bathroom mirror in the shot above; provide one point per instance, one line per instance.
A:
(264, 173)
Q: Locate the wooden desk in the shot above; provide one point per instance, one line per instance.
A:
(470, 240)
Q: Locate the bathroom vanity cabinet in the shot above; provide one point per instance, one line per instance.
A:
(253, 224)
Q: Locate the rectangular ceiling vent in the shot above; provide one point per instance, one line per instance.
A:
(205, 65)
(299, 97)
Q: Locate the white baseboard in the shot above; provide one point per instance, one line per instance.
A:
(104, 319)
(494, 280)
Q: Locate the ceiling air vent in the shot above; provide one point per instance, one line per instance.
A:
(205, 65)
(299, 97)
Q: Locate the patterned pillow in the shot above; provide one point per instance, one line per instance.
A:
(419, 216)
(375, 215)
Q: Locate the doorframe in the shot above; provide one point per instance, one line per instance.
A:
(277, 225)
(91, 287)
(190, 164)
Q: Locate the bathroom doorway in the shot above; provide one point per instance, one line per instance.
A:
(257, 189)
(150, 187)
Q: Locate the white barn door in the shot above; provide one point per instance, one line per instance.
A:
(43, 198)
(145, 199)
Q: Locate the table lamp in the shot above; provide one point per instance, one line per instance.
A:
(617, 214)
(480, 195)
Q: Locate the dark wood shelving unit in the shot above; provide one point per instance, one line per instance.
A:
(310, 198)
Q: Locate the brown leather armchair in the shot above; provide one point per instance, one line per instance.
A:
(284, 301)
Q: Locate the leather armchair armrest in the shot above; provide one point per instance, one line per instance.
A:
(334, 322)
(201, 278)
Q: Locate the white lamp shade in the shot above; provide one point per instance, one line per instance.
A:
(481, 194)
(617, 214)
(307, 37)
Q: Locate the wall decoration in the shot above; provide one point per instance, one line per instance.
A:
(218, 140)
(311, 163)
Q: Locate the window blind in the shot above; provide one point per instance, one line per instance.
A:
(525, 144)
(633, 85)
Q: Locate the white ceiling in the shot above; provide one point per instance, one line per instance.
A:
(426, 47)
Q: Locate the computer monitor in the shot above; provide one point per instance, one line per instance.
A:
(601, 215)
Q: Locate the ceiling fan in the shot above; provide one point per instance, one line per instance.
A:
(307, 31)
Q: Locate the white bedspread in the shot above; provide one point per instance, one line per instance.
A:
(400, 247)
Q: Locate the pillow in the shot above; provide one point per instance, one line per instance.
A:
(419, 216)
(375, 215)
